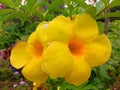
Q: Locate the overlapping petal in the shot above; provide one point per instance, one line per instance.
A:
(39, 34)
(85, 27)
(19, 55)
(80, 73)
(57, 60)
(60, 29)
(33, 72)
(98, 51)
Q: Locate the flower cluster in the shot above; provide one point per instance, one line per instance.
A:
(62, 48)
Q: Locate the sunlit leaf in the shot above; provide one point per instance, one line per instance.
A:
(99, 6)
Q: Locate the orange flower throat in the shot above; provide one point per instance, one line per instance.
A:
(76, 47)
(38, 48)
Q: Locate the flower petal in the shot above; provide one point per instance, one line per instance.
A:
(39, 34)
(42, 25)
(60, 29)
(80, 72)
(98, 51)
(33, 72)
(19, 55)
(85, 27)
(57, 60)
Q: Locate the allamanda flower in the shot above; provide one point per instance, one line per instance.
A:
(75, 46)
(28, 55)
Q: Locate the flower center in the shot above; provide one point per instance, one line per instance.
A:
(76, 47)
(37, 48)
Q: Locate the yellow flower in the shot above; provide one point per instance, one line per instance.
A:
(75, 46)
(28, 55)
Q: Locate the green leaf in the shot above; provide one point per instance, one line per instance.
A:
(41, 3)
(55, 4)
(106, 2)
(114, 3)
(107, 15)
(99, 7)
(71, 87)
(63, 85)
(9, 3)
(5, 11)
(29, 6)
(18, 2)
(39, 15)
(14, 14)
(30, 27)
(101, 27)
(91, 10)
(90, 87)
(81, 3)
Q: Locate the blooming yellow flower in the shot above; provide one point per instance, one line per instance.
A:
(66, 48)
(75, 46)
(28, 55)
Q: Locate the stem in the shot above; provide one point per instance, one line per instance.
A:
(107, 22)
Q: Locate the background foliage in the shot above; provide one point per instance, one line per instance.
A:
(18, 20)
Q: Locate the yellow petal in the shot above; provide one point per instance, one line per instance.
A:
(42, 26)
(60, 29)
(19, 55)
(39, 34)
(35, 47)
(85, 27)
(33, 72)
(80, 71)
(98, 51)
(57, 60)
